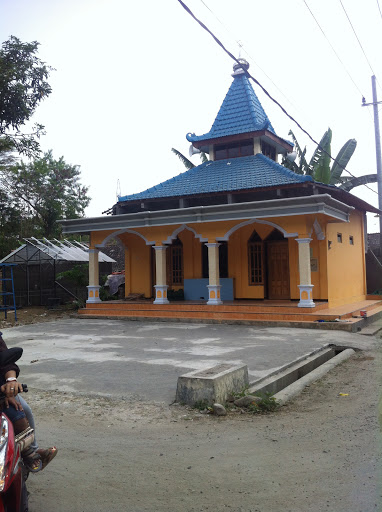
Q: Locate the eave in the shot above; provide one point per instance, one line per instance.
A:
(282, 145)
(306, 205)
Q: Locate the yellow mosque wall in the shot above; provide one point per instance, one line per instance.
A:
(337, 273)
(346, 261)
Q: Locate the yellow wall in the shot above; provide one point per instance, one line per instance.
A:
(346, 263)
(340, 275)
(137, 265)
(238, 261)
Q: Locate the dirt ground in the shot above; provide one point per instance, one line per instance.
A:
(319, 453)
(33, 315)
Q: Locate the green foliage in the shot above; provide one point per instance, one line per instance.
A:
(44, 191)
(268, 404)
(201, 405)
(23, 85)
(77, 275)
(175, 294)
(319, 166)
(185, 161)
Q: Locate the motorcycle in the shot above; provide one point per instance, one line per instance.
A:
(13, 472)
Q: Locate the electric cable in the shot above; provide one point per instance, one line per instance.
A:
(188, 10)
(379, 8)
(241, 45)
(331, 46)
(355, 33)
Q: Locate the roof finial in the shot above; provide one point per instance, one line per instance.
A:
(238, 68)
(240, 45)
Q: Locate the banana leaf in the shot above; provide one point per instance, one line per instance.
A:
(320, 157)
(357, 181)
(302, 167)
(343, 157)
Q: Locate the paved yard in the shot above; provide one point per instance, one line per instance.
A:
(142, 360)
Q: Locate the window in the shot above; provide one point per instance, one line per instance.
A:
(268, 150)
(255, 260)
(351, 240)
(339, 238)
(176, 263)
(234, 150)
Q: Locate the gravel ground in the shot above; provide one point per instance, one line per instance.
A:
(321, 452)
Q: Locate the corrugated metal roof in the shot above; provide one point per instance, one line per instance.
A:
(243, 173)
(35, 250)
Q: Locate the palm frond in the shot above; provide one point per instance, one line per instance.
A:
(185, 161)
(203, 157)
(303, 164)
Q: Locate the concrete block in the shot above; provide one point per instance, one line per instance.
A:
(211, 385)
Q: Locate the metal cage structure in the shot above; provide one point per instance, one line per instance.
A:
(37, 264)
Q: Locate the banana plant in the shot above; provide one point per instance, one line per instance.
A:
(319, 165)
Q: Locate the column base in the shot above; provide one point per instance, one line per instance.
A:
(93, 294)
(214, 295)
(161, 294)
(306, 296)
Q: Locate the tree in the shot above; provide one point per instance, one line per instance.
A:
(185, 161)
(23, 85)
(319, 166)
(44, 191)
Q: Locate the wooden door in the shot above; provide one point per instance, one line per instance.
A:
(278, 270)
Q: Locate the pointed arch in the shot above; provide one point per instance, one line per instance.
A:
(225, 238)
(120, 232)
(176, 232)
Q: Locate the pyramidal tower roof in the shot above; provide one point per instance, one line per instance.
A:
(241, 111)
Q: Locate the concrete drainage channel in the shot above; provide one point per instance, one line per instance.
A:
(214, 385)
(292, 379)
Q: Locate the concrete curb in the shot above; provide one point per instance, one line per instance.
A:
(297, 387)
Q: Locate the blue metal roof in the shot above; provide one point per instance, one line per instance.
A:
(241, 112)
(249, 172)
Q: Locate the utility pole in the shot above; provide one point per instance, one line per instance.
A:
(377, 152)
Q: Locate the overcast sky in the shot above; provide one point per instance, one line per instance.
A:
(133, 77)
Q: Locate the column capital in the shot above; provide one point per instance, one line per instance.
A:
(93, 249)
(215, 244)
(303, 240)
(160, 247)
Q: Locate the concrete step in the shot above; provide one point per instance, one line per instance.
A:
(203, 314)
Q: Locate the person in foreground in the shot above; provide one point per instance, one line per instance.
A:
(20, 414)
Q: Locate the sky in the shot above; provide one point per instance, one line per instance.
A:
(132, 78)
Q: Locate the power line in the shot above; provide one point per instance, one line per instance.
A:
(355, 33)
(188, 10)
(239, 43)
(331, 46)
(380, 12)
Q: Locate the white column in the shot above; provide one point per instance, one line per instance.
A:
(161, 277)
(93, 288)
(305, 286)
(213, 275)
